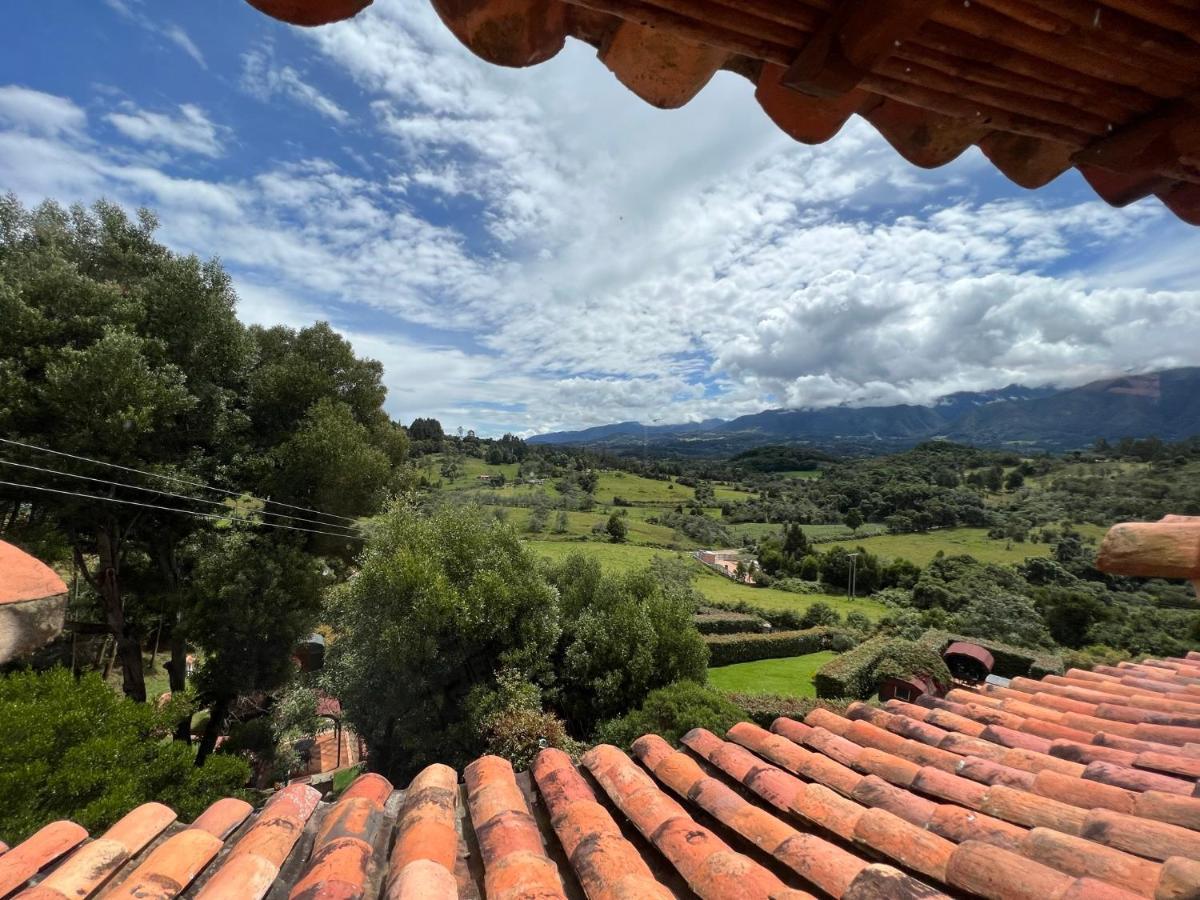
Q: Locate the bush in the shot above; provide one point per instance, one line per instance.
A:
(512, 723)
(728, 623)
(725, 649)
(78, 750)
(763, 709)
(820, 613)
(853, 673)
(671, 712)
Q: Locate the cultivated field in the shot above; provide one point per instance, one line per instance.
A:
(922, 548)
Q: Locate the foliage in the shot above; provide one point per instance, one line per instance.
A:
(820, 614)
(725, 649)
(728, 623)
(1010, 660)
(623, 636)
(440, 606)
(617, 529)
(671, 712)
(512, 723)
(75, 749)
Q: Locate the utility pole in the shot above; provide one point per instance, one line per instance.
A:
(853, 576)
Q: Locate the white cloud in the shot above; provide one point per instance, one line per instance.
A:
(191, 130)
(263, 78)
(131, 10)
(38, 112)
(606, 260)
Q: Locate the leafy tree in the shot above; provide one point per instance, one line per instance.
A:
(257, 596)
(1006, 617)
(853, 520)
(671, 712)
(617, 529)
(1069, 614)
(1014, 480)
(426, 430)
(561, 522)
(440, 606)
(74, 748)
(623, 637)
(538, 516)
(512, 722)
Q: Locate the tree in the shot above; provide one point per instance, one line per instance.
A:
(671, 712)
(994, 479)
(441, 605)
(820, 613)
(617, 529)
(561, 522)
(255, 596)
(74, 748)
(113, 347)
(853, 520)
(426, 430)
(1014, 480)
(623, 636)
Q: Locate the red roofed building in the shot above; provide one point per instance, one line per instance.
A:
(33, 603)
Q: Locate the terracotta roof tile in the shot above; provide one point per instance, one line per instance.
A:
(607, 866)
(170, 867)
(223, 817)
(39, 850)
(423, 857)
(515, 863)
(343, 860)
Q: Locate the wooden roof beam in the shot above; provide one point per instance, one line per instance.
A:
(857, 36)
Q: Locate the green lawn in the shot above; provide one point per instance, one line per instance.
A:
(922, 548)
(788, 677)
(579, 524)
(623, 557)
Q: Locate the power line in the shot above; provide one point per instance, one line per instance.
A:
(174, 509)
(136, 487)
(199, 484)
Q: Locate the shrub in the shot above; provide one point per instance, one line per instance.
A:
(511, 722)
(728, 623)
(76, 749)
(671, 712)
(763, 709)
(725, 649)
(820, 614)
(858, 673)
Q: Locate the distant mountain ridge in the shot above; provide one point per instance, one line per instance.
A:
(1166, 404)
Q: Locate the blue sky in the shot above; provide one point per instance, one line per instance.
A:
(538, 249)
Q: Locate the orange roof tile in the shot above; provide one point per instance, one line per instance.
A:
(1109, 89)
(22, 577)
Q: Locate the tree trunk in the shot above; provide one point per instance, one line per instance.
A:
(212, 730)
(133, 681)
(177, 669)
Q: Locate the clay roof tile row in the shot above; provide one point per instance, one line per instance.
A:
(996, 792)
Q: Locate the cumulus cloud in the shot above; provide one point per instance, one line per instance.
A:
(34, 111)
(264, 79)
(190, 130)
(606, 260)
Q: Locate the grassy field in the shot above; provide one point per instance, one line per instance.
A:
(580, 524)
(623, 557)
(922, 548)
(788, 677)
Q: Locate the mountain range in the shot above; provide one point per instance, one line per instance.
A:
(1165, 404)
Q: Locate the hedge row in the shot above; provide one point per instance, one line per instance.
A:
(1011, 661)
(725, 649)
(728, 623)
(763, 709)
(852, 674)
(786, 619)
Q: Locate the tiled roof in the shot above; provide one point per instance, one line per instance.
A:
(1109, 88)
(24, 578)
(1075, 786)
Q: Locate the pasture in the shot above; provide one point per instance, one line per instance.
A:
(788, 677)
